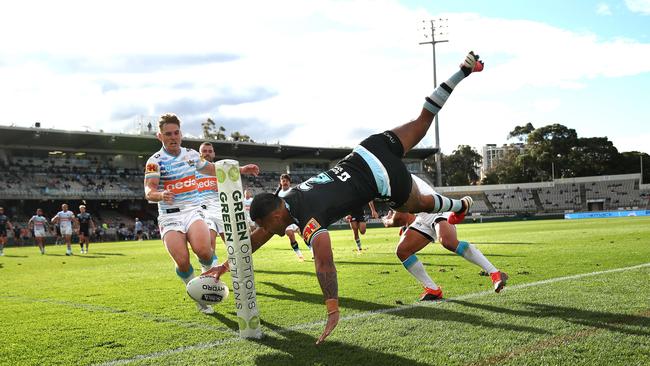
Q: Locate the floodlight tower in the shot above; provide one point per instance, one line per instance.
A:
(436, 30)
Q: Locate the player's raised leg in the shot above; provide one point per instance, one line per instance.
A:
(411, 133)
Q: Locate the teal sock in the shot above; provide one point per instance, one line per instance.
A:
(185, 276)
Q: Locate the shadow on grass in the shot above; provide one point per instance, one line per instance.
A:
(228, 322)
(15, 256)
(120, 254)
(301, 273)
(418, 312)
(613, 322)
(299, 349)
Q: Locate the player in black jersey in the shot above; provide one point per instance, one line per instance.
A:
(5, 225)
(86, 224)
(374, 170)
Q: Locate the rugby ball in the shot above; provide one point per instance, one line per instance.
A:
(206, 290)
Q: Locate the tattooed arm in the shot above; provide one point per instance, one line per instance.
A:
(326, 273)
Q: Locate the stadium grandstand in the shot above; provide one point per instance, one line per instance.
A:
(45, 168)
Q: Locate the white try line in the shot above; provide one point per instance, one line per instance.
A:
(304, 326)
(106, 309)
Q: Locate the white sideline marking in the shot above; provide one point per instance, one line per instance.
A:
(107, 309)
(202, 346)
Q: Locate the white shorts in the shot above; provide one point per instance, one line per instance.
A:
(292, 227)
(427, 224)
(214, 218)
(179, 221)
(66, 230)
(39, 233)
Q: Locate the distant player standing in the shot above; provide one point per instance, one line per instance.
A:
(170, 180)
(65, 219)
(86, 224)
(5, 225)
(425, 228)
(248, 199)
(38, 224)
(283, 189)
(137, 227)
(357, 220)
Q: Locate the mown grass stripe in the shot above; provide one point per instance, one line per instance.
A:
(304, 326)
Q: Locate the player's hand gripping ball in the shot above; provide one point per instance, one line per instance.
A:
(207, 291)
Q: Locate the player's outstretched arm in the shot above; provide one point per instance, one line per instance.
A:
(250, 169)
(326, 273)
(259, 237)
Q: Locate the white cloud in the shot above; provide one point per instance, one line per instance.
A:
(603, 9)
(331, 66)
(639, 6)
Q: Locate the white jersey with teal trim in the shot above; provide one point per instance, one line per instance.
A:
(208, 190)
(178, 175)
(38, 222)
(247, 204)
(65, 219)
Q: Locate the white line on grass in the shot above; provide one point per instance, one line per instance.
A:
(202, 346)
(107, 309)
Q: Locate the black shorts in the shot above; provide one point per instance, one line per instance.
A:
(84, 230)
(3, 232)
(358, 215)
(383, 153)
(58, 230)
(139, 232)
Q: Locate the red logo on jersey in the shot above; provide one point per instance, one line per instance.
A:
(309, 230)
(151, 168)
(207, 184)
(182, 185)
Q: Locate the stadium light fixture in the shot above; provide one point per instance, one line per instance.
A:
(436, 31)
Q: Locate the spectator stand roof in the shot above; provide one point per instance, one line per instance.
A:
(116, 143)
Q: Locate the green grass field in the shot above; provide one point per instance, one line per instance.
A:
(579, 294)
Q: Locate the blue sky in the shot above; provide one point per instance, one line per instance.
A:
(328, 72)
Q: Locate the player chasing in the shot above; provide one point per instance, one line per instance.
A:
(65, 219)
(170, 180)
(38, 225)
(374, 170)
(425, 228)
(5, 225)
(86, 223)
(292, 229)
(357, 220)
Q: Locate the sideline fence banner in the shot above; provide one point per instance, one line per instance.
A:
(605, 214)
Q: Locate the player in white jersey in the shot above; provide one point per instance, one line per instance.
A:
(248, 199)
(424, 228)
(65, 219)
(38, 225)
(170, 180)
(208, 188)
(283, 189)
